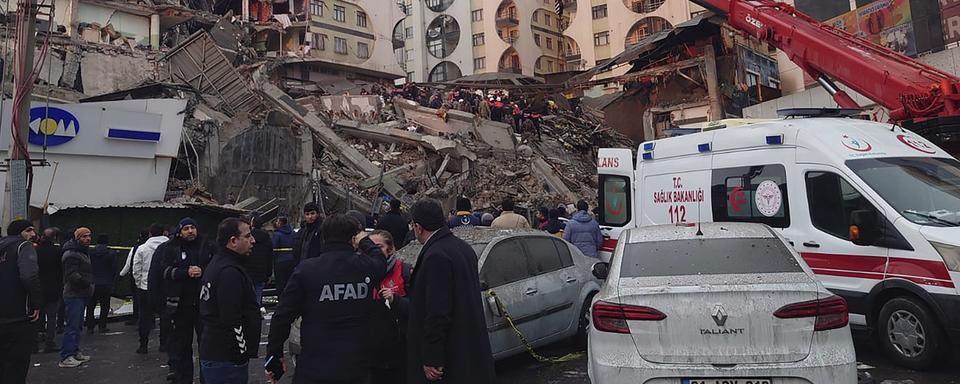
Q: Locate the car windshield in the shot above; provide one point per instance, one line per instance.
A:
(924, 190)
(707, 257)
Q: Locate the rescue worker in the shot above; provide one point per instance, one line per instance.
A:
(182, 262)
(463, 215)
(228, 309)
(20, 301)
(332, 294)
(390, 354)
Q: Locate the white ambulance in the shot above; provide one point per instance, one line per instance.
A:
(873, 209)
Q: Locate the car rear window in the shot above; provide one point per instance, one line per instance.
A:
(707, 257)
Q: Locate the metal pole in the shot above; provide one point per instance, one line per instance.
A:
(16, 200)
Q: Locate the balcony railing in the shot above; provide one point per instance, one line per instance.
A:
(571, 58)
(646, 6)
(507, 21)
(398, 42)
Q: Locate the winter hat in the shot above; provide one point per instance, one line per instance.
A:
(463, 204)
(18, 226)
(311, 206)
(80, 232)
(486, 219)
(185, 222)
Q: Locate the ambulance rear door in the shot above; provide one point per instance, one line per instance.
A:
(616, 195)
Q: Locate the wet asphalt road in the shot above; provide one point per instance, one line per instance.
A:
(114, 362)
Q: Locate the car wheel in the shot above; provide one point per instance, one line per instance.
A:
(910, 334)
(583, 322)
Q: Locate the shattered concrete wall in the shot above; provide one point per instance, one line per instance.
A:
(365, 109)
(261, 161)
(95, 72)
(130, 25)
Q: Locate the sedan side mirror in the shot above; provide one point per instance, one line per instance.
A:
(601, 270)
(864, 227)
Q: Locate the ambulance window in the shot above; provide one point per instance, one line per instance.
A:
(615, 195)
(755, 194)
(505, 264)
(831, 200)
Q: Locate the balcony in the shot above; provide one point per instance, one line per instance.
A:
(516, 70)
(507, 21)
(646, 6)
(511, 40)
(570, 5)
(398, 42)
(572, 58)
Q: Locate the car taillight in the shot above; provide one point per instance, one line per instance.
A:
(831, 312)
(610, 317)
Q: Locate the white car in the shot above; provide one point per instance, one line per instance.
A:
(728, 303)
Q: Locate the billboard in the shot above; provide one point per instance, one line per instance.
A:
(888, 23)
(950, 14)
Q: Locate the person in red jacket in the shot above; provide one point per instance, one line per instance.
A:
(391, 298)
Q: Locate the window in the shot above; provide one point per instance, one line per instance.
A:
(602, 38)
(339, 13)
(340, 45)
(480, 63)
(410, 76)
(549, 43)
(753, 79)
(319, 41)
(408, 9)
(774, 83)
(537, 65)
(536, 38)
(599, 11)
(361, 19)
(408, 32)
(478, 40)
(536, 17)
(543, 255)
(316, 8)
(363, 50)
(564, 250)
(703, 257)
(831, 200)
(615, 196)
(756, 194)
(546, 19)
(476, 15)
(506, 263)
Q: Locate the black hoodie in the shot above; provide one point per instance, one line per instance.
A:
(229, 311)
(19, 280)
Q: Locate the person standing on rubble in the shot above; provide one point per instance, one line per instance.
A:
(543, 218)
(464, 215)
(285, 239)
(310, 240)
(509, 219)
(20, 301)
(183, 260)
(583, 231)
(483, 109)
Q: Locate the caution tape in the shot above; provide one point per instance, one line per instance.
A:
(122, 248)
(526, 344)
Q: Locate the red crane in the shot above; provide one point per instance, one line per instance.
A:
(919, 97)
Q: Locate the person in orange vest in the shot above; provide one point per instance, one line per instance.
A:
(391, 321)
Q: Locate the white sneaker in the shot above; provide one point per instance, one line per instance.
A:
(81, 357)
(70, 362)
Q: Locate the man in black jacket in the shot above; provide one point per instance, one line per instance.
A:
(77, 289)
(309, 239)
(104, 263)
(447, 334)
(19, 302)
(332, 294)
(182, 262)
(228, 308)
(51, 279)
(396, 223)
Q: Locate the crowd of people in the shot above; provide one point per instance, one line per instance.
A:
(366, 315)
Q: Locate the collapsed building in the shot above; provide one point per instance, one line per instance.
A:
(280, 109)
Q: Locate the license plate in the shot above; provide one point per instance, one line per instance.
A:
(725, 381)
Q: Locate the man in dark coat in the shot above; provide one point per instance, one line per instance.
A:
(77, 289)
(332, 294)
(447, 334)
(19, 301)
(284, 261)
(396, 223)
(260, 263)
(182, 261)
(309, 235)
(104, 263)
(51, 279)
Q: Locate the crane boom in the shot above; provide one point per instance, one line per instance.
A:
(913, 92)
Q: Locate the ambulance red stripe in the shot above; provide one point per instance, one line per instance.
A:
(924, 272)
